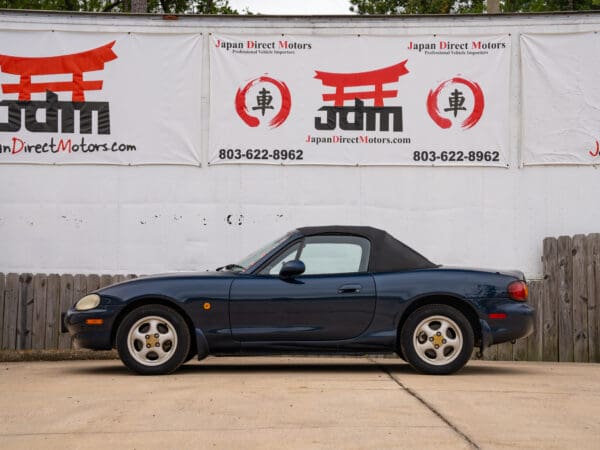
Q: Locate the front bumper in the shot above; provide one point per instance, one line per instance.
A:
(95, 337)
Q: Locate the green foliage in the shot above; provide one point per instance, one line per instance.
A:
(466, 6)
(549, 5)
(416, 6)
(154, 6)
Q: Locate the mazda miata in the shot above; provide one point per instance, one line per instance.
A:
(328, 289)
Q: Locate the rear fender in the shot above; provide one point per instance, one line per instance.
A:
(486, 335)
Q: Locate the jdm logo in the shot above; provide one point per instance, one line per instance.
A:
(363, 86)
(75, 65)
(260, 90)
(452, 100)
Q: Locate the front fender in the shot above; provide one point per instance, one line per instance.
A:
(201, 344)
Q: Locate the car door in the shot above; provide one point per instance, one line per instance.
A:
(333, 300)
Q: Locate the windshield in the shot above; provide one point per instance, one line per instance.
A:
(256, 255)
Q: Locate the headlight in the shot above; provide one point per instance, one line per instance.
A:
(88, 302)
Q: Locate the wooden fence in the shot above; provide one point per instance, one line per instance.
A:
(567, 301)
(567, 320)
(31, 306)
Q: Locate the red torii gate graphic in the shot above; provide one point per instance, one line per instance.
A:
(75, 64)
(376, 78)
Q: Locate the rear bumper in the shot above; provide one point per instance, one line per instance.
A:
(95, 337)
(518, 323)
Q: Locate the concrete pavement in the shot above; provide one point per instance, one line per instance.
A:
(281, 402)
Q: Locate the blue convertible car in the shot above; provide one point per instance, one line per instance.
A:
(332, 289)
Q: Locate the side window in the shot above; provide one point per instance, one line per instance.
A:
(335, 254)
(274, 266)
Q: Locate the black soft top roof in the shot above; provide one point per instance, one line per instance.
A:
(387, 253)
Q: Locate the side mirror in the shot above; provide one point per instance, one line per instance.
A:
(292, 269)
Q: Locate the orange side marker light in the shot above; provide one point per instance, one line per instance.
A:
(94, 321)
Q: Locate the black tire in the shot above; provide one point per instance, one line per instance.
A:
(152, 333)
(437, 340)
(400, 354)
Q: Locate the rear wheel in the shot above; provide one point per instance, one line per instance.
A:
(153, 340)
(437, 339)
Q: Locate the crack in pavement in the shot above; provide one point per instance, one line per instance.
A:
(205, 429)
(424, 402)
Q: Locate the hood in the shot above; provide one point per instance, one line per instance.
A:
(172, 276)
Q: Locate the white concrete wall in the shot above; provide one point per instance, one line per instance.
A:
(115, 219)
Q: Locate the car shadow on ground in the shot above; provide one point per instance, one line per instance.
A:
(213, 366)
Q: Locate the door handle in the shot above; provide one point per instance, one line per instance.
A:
(349, 289)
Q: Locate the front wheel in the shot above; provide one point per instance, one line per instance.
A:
(437, 340)
(153, 340)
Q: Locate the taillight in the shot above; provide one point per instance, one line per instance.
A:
(518, 290)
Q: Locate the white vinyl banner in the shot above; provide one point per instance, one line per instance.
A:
(360, 100)
(99, 98)
(561, 99)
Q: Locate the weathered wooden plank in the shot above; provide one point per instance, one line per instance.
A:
(491, 353)
(593, 287)
(565, 299)
(79, 286)
(29, 306)
(580, 300)
(505, 351)
(11, 311)
(118, 278)
(66, 301)
(93, 283)
(520, 350)
(25, 312)
(549, 302)
(21, 318)
(52, 316)
(38, 329)
(534, 341)
(2, 286)
(106, 280)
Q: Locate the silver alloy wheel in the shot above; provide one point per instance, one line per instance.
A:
(152, 340)
(438, 340)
